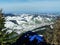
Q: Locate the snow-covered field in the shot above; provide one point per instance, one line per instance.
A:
(25, 22)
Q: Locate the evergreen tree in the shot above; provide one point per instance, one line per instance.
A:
(6, 38)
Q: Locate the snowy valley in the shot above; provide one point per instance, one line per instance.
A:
(26, 22)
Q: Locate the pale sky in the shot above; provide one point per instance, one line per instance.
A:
(30, 6)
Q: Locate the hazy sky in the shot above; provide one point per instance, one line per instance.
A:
(30, 5)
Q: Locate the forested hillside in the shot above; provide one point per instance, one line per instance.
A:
(56, 33)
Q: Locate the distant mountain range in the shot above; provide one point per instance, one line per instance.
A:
(26, 22)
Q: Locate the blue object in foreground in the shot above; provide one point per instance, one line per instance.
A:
(37, 37)
(33, 36)
(30, 38)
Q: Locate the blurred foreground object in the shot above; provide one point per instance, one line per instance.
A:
(30, 38)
